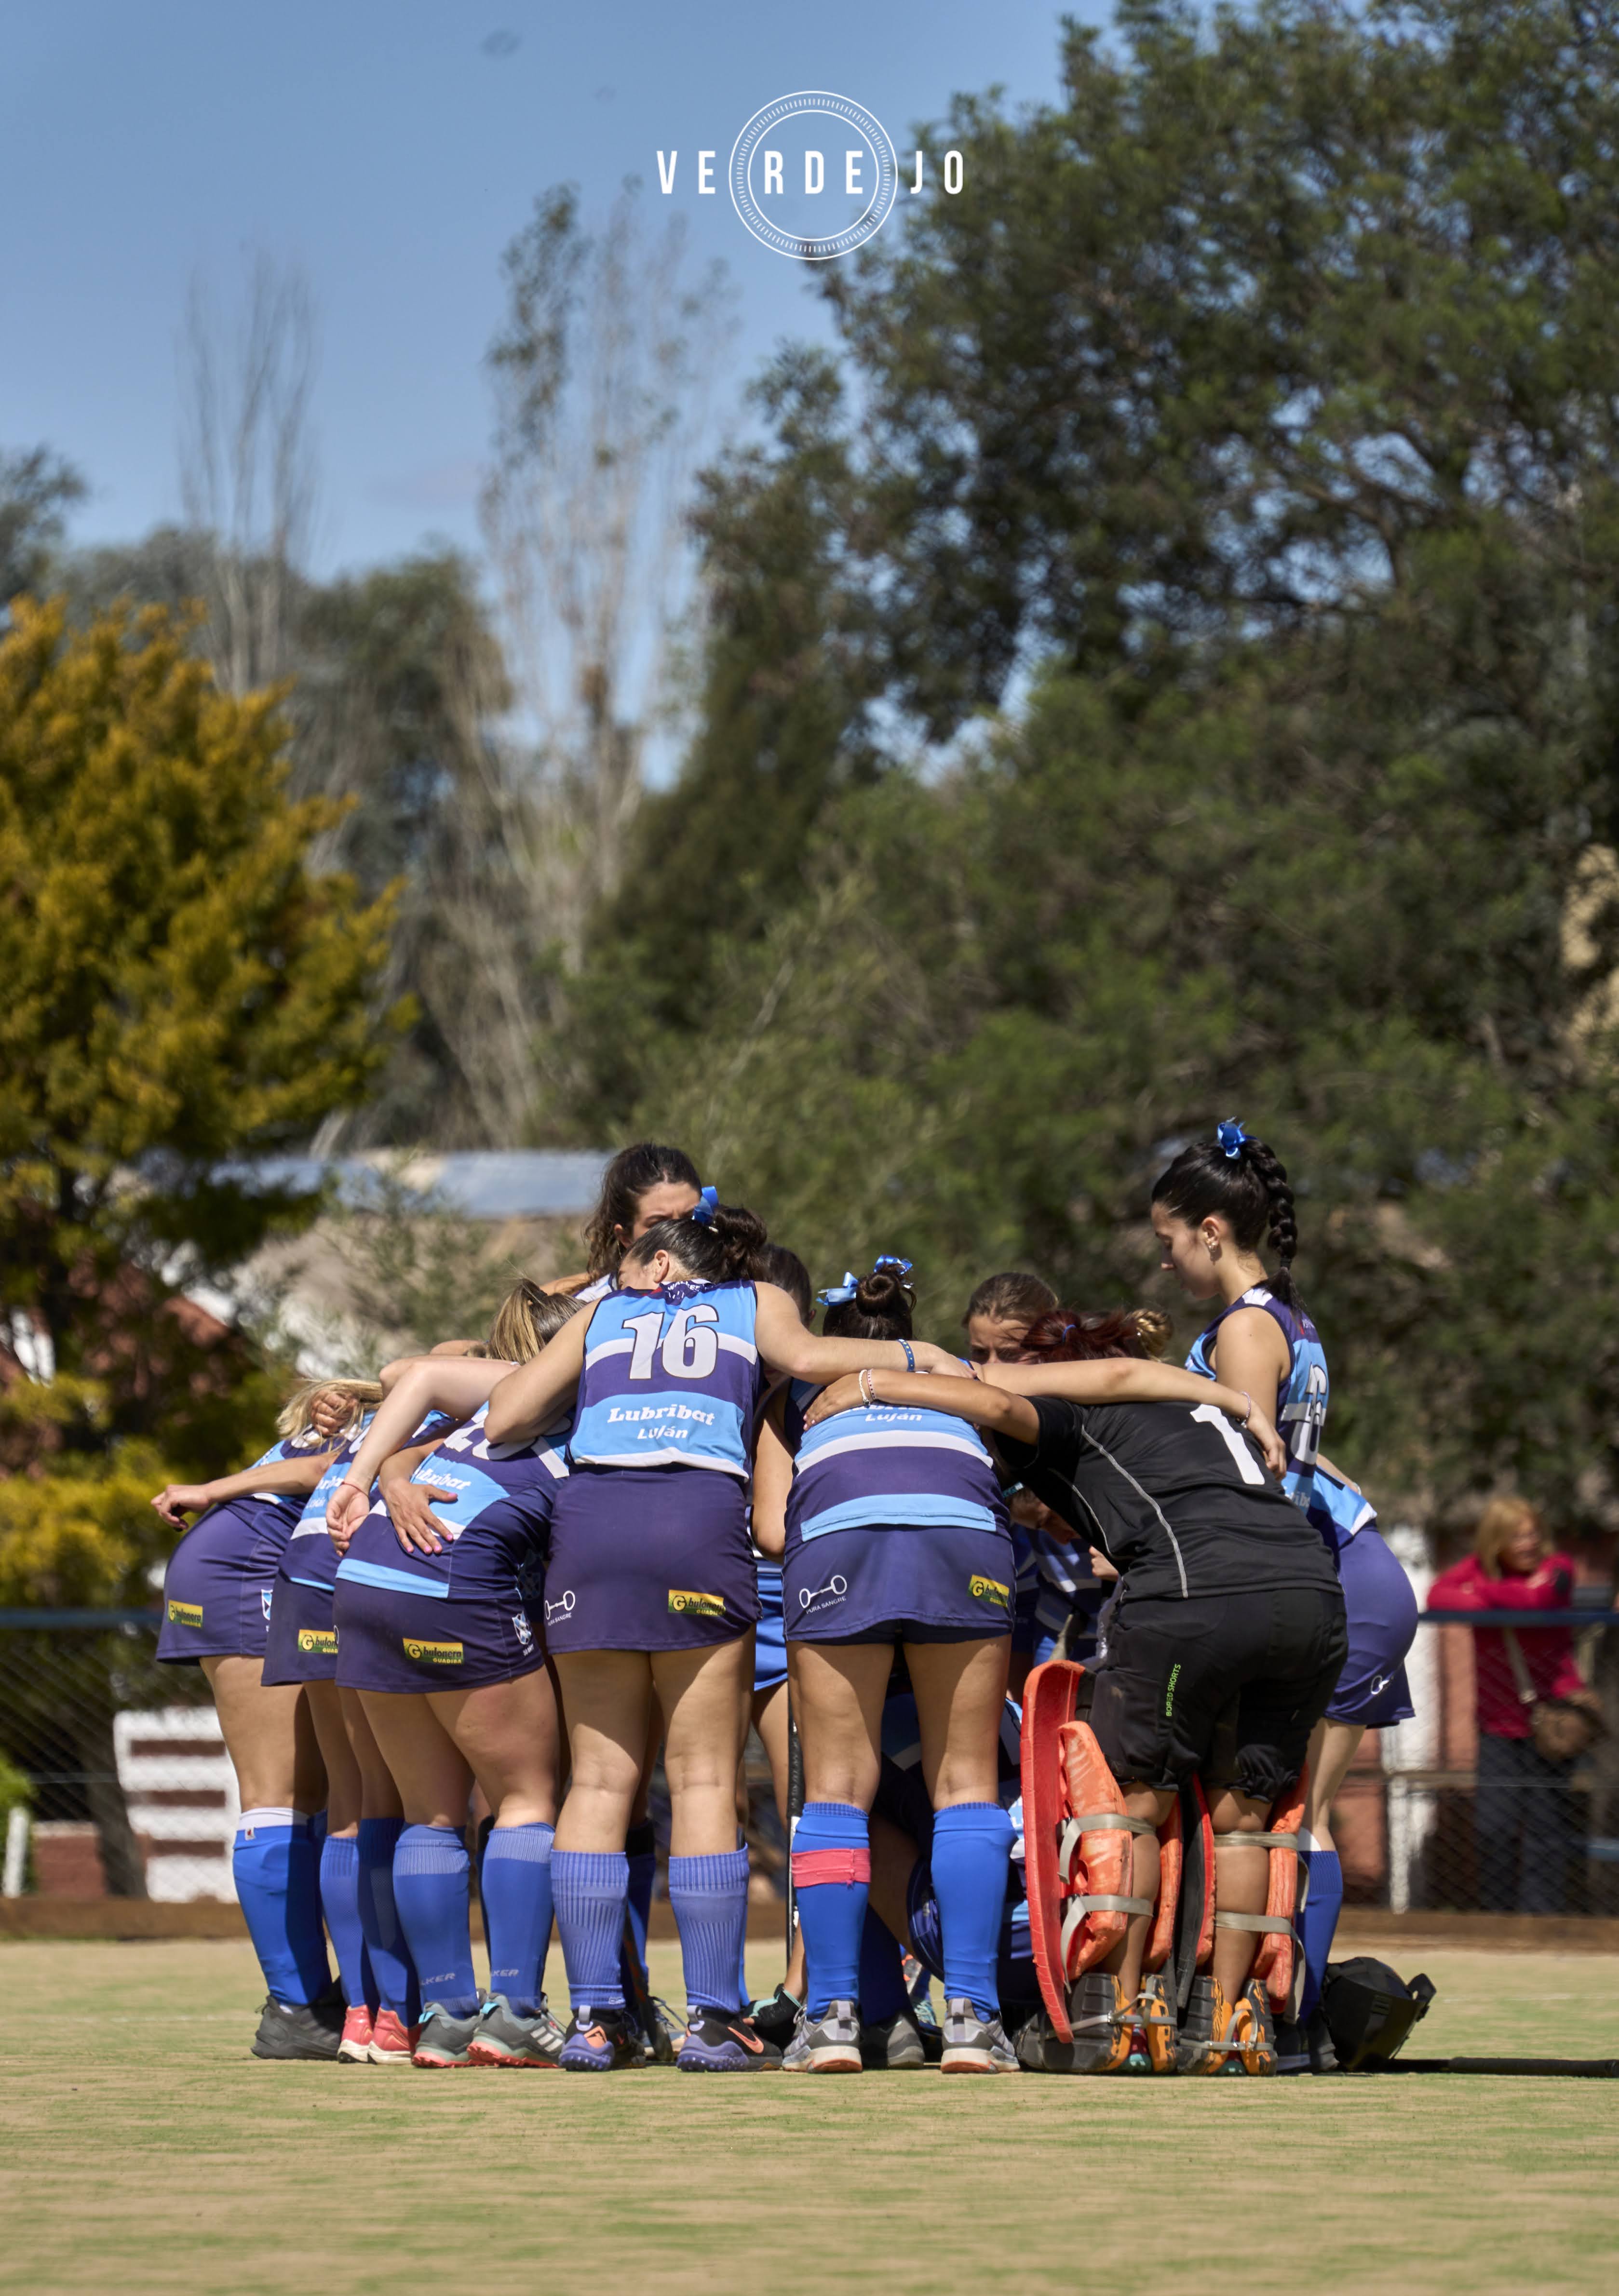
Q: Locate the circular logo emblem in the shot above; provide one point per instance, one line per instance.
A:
(811, 200)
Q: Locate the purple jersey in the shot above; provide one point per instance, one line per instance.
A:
(882, 1465)
(493, 1525)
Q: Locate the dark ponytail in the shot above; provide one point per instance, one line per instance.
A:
(882, 1308)
(1246, 1182)
(723, 1249)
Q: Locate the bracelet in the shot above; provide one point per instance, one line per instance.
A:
(1247, 1415)
(910, 1360)
(866, 1395)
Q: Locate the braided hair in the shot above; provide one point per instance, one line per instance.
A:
(1245, 1182)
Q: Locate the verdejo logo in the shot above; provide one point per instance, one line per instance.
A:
(813, 175)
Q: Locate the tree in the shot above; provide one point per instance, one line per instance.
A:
(247, 464)
(602, 378)
(181, 991)
(36, 489)
(1245, 442)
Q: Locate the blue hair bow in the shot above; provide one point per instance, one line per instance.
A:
(887, 1260)
(839, 1295)
(704, 1210)
(1231, 1136)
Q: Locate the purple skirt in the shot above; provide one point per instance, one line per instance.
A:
(216, 1587)
(404, 1643)
(937, 1583)
(1380, 1608)
(648, 1559)
(302, 1643)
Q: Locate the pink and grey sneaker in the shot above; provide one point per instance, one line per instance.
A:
(355, 2047)
(392, 2041)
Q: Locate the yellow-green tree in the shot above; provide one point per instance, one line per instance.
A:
(181, 989)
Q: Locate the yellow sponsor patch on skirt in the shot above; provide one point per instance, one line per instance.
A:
(690, 1604)
(186, 1614)
(317, 1642)
(991, 1591)
(434, 1654)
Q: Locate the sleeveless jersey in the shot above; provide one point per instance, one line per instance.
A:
(291, 1447)
(1301, 1398)
(503, 1494)
(670, 1380)
(311, 1560)
(883, 1465)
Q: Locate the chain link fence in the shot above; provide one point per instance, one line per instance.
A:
(114, 1780)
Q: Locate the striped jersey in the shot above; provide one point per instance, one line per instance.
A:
(494, 1520)
(670, 1380)
(885, 1466)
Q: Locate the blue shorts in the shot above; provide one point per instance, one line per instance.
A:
(1380, 1608)
(302, 1642)
(217, 1587)
(770, 1646)
(648, 1559)
(894, 1583)
(393, 1641)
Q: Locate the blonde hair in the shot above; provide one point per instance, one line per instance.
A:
(1153, 1329)
(525, 1319)
(297, 1413)
(1496, 1526)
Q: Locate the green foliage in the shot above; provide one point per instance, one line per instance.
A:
(181, 990)
(1255, 409)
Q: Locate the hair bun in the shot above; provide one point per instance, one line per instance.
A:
(883, 1293)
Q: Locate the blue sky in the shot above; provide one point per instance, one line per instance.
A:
(392, 148)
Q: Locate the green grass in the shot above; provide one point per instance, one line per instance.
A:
(143, 2149)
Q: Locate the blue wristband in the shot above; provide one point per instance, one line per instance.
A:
(910, 1360)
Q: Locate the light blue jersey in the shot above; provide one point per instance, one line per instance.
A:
(1300, 1410)
(881, 1464)
(670, 1380)
(291, 1447)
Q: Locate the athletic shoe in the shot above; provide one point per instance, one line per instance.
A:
(716, 2043)
(392, 2042)
(308, 2029)
(505, 2038)
(972, 2046)
(601, 2041)
(777, 2019)
(826, 2044)
(445, 2043)
(355, 2047)
(665, 2034)
(894, 2045)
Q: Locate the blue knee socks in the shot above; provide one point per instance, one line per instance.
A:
(432, 1888)
(1318, 1919)
(883, 1993)
(340, 1901)
(386, 1948)
(277, 1873)
(515, 1885)
(590, 1887)
(831, 1879)
(972, 1848)
(710, 1898)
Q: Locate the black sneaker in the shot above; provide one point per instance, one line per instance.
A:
(894, 2045)
(715, 2043)
(775, 2020)
(601, 2041)
(312, 2031)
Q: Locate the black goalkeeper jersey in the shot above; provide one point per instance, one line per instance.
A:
(1176, 1495)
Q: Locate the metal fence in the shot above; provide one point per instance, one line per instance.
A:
(120, 1772)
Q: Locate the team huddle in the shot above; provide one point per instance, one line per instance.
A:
(1073, 1648)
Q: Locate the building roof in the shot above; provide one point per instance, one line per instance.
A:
(492, 1183)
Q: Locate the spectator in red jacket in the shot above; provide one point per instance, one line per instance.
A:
(1526, 1825)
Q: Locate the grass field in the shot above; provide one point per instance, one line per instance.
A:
(143, 2149)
